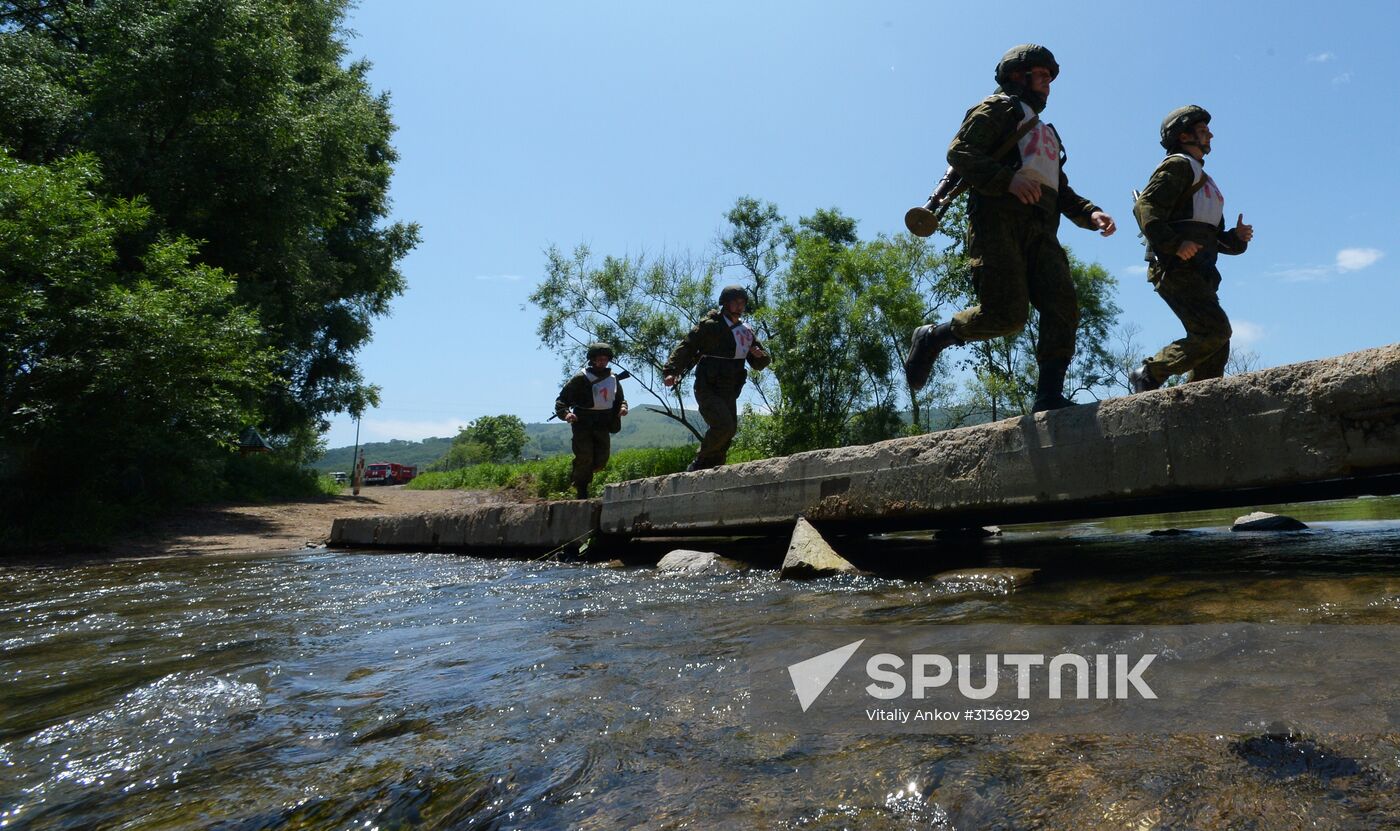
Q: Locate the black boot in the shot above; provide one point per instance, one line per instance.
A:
(924, 348)
(581, 491)
(1142, 381)
(1050, 391)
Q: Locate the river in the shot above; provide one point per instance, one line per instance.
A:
(323, 689)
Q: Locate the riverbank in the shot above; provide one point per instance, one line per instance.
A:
(245, 528)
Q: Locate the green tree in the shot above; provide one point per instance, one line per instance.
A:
(500, 437)
(241, 125)
(836, 320)
(126, 370)
(756, 241)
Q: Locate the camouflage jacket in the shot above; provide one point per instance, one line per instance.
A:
(1163, 213)
(984, 129)
(711, 337)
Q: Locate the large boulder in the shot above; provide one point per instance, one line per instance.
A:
(1263, 521)
(684, 561)
(809, 555)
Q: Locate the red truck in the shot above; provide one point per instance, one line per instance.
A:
(389, 473)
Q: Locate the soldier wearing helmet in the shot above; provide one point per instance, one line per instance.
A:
(1014, 208)
(721, 346)
(1182, 216)
(593, 403)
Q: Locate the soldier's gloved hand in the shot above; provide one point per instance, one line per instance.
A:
(1187, 250)
(669, 381)
(570, 417)
(1024, 188)
(1104, 223)
(1243, 232)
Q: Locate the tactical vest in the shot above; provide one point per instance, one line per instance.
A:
(1207, 203)
(604, 389)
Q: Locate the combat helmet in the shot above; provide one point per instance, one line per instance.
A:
(599, 348)
(1181, 120)
(1023, 57)
(729, 293)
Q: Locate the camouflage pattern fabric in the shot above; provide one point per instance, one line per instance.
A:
(1189, 287)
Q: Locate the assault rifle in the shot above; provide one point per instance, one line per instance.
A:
(1148, 254)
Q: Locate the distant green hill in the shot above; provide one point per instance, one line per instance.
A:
(641, 428)
(419, 453)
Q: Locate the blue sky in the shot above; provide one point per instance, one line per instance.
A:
(633, 126)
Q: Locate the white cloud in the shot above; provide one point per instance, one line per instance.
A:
(510, 278)
(1348, 259)
(1321, 57)
(1137, 270)
(383, 429)
(1295, 275)
(1246, 333)
(1355, 259)
(1344, 78)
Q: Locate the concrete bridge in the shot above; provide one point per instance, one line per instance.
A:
(1316, 430)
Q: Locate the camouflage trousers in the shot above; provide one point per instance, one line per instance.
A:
(1192, 295)
(592, 446)
(1017, 262)
(720, 409)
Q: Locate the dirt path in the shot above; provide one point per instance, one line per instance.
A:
(282, 526)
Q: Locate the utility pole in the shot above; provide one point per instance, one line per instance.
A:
(357, 463)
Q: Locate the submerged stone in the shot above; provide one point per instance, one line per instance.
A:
(685, 561)
(1264, 521)
(968, 533)
(809, 555)
(996, 579)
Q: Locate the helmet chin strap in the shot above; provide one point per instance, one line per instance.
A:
(1204, 148)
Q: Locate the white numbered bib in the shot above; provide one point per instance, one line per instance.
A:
(1207, 203)
(743, 339)
(604, 390)
(1040, 151)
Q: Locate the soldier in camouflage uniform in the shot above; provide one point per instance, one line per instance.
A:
(592, 401)
(721, 343)
(1014, 210)
(1182, 216)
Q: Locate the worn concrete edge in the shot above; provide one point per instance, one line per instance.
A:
(1296, 402)
(486, 528)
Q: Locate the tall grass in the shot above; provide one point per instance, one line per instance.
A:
(267, 477)
(549, 478)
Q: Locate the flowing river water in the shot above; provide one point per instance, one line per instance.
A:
(322, 689)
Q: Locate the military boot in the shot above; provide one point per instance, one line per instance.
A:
(1050, 391)
(924, 348)
(581, 491)
(1142, 381)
